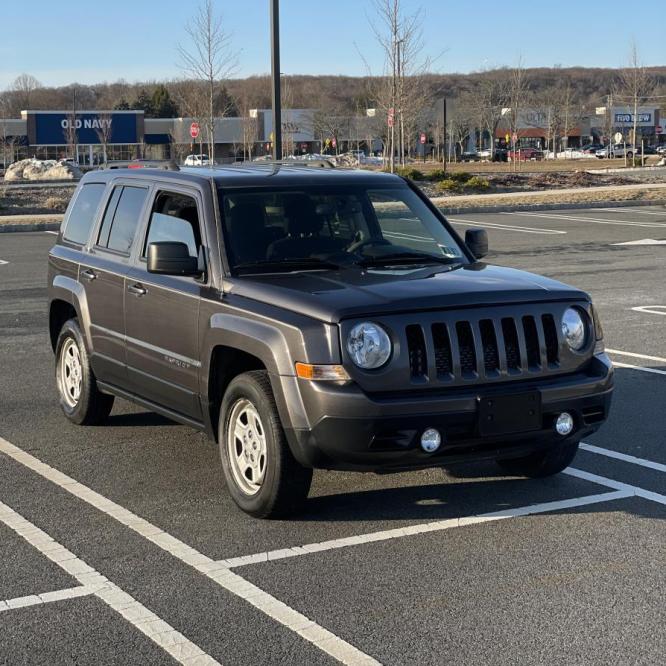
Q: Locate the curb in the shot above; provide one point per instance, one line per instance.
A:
(32, 226)
(449, 210)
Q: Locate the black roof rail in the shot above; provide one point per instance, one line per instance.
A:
(168, 165)
(319, 164)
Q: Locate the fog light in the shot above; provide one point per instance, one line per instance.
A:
(564, 424)
(430, 440)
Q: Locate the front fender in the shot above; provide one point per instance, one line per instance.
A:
(267, 343)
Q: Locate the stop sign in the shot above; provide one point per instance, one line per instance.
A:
(659, 129)
(194, 130)
(423, 137)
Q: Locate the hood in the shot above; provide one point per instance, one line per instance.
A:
(331, 296)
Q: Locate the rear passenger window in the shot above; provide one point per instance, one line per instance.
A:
(174, 218)
(122, 218)
(83, 213)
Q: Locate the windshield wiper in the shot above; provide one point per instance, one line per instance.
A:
(406, 258)
(304, 263)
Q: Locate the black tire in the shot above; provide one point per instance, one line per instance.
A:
(91, 407)
(285, 485)
(542, 463)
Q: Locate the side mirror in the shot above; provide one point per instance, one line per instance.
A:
(477, 242)
(171, 258)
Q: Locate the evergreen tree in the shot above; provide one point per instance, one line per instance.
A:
(163, 105)
(121, 105)
(144, 102)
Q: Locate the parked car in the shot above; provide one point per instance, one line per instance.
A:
(646, 150)
(315, 318)
(661, 149)
(523, 154)
(590, 149)
(616, 150)
(198, 160)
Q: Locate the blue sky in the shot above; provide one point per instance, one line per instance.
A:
(79, 40)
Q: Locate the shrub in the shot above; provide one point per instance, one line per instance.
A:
(410, 172)
(460, 176)
(437, 174)
(477, 183)
(448, 185)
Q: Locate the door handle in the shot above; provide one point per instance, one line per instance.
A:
(137, 289)
(89, 274)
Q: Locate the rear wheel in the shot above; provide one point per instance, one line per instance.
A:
(542, 463)
(80, 399)
(262, 475)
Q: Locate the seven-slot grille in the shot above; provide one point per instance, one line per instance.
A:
(485, 348)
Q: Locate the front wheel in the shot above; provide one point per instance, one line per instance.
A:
(542, 463)
(263, 477)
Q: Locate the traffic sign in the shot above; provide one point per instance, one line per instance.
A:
(507, 137)
(659, 129)
(334, 143)
(194, 130)
(422, 138)
(514, 137)
(618, 137)
(391, 116)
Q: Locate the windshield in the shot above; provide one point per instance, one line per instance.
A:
(314, 228)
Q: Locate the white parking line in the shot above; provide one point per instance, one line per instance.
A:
(3, 263)
(634, 355)
(633, 491)
(640, 368)
(506, 227)
(47, 597)
(650, 309)
(630, 210)
(55, 233)
(420, 528)
(595, 220)
(159, 631)
(268, 604)
(623, 457)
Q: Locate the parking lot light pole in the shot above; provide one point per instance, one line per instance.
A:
(275, 73)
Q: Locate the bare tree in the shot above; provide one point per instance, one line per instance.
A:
(635, 85)
(491, 99)
(104, 131)
(400, 92)
(69, 133)
(23, 88)
(209, 58)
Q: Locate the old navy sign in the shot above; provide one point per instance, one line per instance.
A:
(103, 124)
(56, 128)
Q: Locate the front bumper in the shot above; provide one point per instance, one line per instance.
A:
(349, 429)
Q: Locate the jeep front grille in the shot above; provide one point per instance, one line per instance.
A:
(482, 349)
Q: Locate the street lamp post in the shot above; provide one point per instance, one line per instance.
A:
(275, 73)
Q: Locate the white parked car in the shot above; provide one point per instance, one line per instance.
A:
(198, 160)
(616, 150)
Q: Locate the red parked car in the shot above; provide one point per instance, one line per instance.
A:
(527, 153)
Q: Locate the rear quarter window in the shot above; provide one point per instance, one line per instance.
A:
(83, 213)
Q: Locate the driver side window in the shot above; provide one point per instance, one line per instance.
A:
(174, 217)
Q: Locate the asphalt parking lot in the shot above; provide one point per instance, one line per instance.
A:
(119, 544)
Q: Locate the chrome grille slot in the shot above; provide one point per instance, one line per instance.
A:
(418, 359)
(550, 333)
(443, 356)
(466, 348)
(491, 361)
(511, 346)
(531, 343)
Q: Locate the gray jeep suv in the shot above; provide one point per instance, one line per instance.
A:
(315, 318)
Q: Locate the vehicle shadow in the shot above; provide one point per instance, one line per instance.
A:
(137, 419)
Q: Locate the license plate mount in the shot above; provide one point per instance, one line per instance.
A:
(508, 414)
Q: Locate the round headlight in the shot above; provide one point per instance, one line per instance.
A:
(368, 345)
(573, 329)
